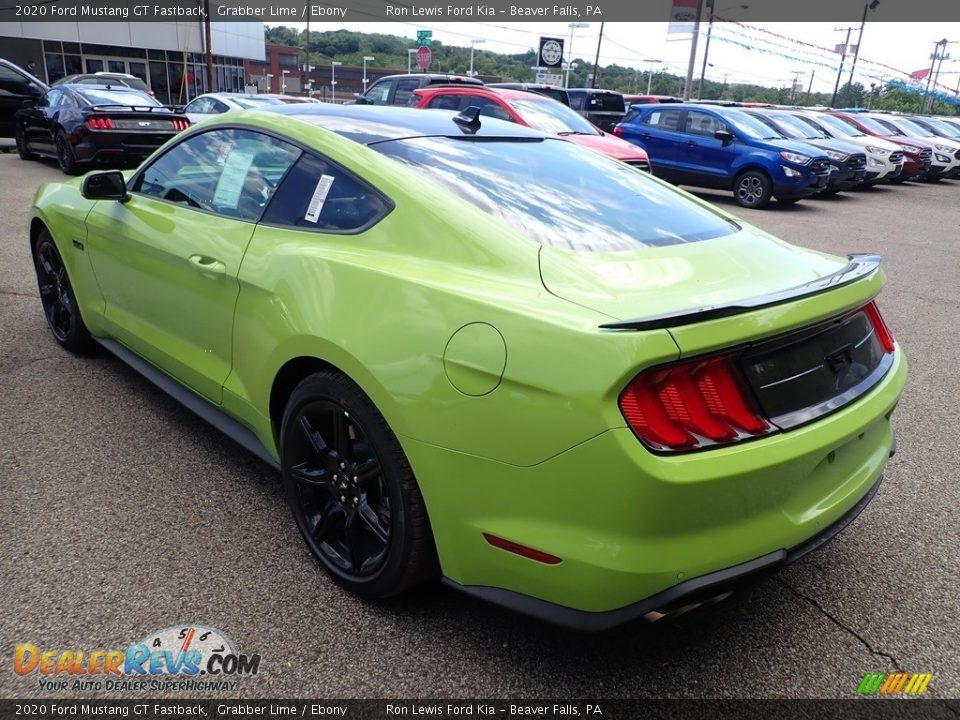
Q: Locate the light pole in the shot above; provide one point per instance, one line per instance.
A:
(650, 73)
(856, 53)
(333, 79)
(366, 59)
(843, 57)
(410, 53)
(269, 77)
(688, 84)
(308, 85)
(283, 81)
(474, 41)
(706, 47)
(572, 26)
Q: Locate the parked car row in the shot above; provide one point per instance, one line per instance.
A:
(789, 153)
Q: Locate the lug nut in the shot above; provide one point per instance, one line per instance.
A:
(343, 498)
(356, 501)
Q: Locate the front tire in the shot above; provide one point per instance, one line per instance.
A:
(57, 298)
(352, 491)
(752, 189)
(21, 141)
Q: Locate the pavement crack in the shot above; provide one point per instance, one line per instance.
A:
(836, 621)
(18, 293)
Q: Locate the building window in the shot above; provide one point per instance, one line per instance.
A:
(288, 61)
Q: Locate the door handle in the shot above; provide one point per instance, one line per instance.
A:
(208, 265)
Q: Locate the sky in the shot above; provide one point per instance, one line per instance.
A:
(765, 53)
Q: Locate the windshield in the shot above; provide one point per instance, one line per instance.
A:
(561, 194)
(911, 128)
(840, 126)
(116, 97)
(751, 127)
(796, 128)
(944, 128)
(256, 102)
(552, 117)
(877, 127)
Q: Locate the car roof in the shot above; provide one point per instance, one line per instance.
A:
(368, 124)
(105, 86)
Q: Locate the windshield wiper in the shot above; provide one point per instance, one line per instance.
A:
(575, 132)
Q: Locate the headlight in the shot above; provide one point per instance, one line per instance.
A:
(836, 155)
(944, 148)
(877, 151)
(912, 148)
(795, 157)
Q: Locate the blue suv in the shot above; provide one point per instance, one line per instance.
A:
(723, 147)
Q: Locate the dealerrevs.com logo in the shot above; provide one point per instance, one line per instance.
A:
(187, 657)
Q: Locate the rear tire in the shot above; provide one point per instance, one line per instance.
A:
(65, 155)
(57, 298)
(752, 189)
(351, 490)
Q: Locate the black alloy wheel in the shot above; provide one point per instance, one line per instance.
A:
(57, 297)
(65, 155)
(21, 141)
(352, 491)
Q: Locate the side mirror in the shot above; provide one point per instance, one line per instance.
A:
(724, 136)
(105, 185)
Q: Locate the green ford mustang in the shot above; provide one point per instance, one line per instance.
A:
(484, 354)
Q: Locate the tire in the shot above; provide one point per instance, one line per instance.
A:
(57, 298)
(65, 155)
(752, 189)
(22, 145)
(352, 491)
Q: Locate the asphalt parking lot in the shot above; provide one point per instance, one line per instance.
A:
(123, 514)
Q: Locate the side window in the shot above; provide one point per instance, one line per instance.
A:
(318, 195)
(665, 120)
(445, 102)
(216, 106)
(12, 82)
(200, 105)
(576, 101)
(490, 108)
(229, 172)
(53, 98)
(68, 102)
(700, 123)
(405, 88)
(379, 92)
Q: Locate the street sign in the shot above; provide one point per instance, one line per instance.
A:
(424, 56)
(424, 38)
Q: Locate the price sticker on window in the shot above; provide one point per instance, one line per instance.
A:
(319, 197)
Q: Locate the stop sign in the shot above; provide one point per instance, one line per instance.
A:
(424, 56)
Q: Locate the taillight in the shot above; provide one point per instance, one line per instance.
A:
(98, 122)
(880, 327)
(180, 123)
(691, 405)
(618, 131)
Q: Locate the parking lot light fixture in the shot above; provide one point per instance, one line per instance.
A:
(473, 42)
(283, 82)
(572, 26)
(333, 79)
(366, 59)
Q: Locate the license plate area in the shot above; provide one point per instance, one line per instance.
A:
(809, 374)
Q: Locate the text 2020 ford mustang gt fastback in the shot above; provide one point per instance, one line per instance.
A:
(485, 354)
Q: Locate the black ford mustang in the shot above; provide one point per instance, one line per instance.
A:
(85, 125)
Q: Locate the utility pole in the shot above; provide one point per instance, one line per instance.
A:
(933, 60)
(688, 85)
(724, 86)
(706, 50)
(856, 53)
(308, 57)
(650, 73)
(843, 57)
(206, 35)
(944, 55)
(810, 87)
(596, 62)
(795, 84)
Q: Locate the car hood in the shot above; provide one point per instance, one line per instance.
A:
(839, 145)
(609, 145)
(657, 281)
(796, 146)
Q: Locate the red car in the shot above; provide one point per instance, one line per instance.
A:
(533, 110)
(917, 154)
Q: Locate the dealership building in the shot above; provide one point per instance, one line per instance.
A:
(168, 56)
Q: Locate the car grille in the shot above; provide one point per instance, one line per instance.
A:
(639, 164)
(814, 372)
(820, 167)
(926, 155)
(896, 157)
(857, 162)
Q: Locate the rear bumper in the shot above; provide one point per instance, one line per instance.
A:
(637, 531)
(692, 592)
(109, 147)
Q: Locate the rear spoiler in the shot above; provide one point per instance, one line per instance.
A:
(137, 108)
(860, 266)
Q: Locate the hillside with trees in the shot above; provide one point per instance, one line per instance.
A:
(390, 51)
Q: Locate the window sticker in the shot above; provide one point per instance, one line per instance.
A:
(231, 181)
(319, 197)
